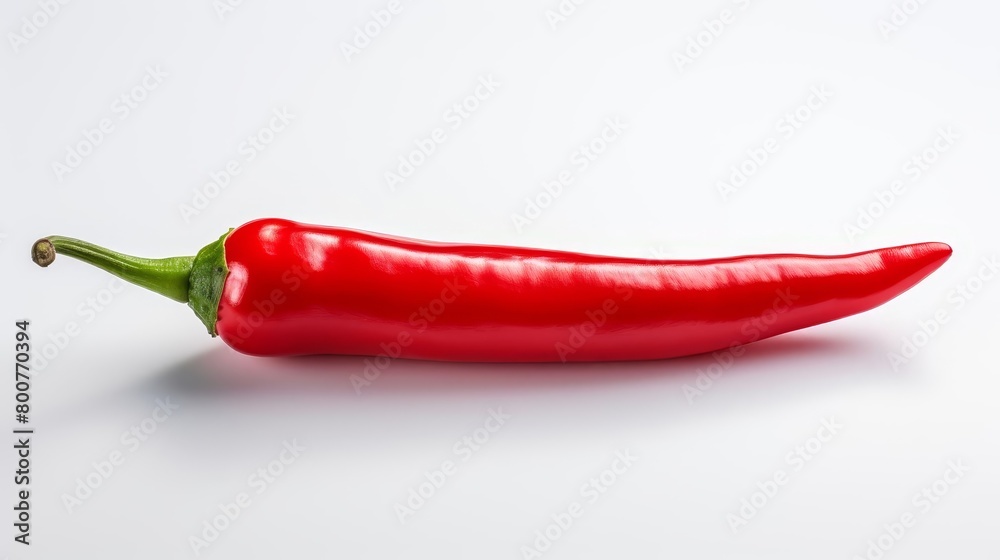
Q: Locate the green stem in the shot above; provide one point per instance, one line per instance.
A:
(168, 277)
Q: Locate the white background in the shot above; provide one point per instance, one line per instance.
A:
(653, 192)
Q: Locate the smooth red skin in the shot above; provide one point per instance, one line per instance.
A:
(303, 289)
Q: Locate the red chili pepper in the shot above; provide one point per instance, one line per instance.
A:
(275, 287)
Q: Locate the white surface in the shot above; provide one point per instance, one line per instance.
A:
(653, 193)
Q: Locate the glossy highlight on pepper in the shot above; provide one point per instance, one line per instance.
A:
(275, 287)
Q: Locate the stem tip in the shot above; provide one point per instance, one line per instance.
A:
(43, 252)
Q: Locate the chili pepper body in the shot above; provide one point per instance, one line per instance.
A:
(295, 289)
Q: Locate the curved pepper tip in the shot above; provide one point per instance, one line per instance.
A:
(923, 258)
(935, 251)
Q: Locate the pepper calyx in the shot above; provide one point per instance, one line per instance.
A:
(208, 276)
